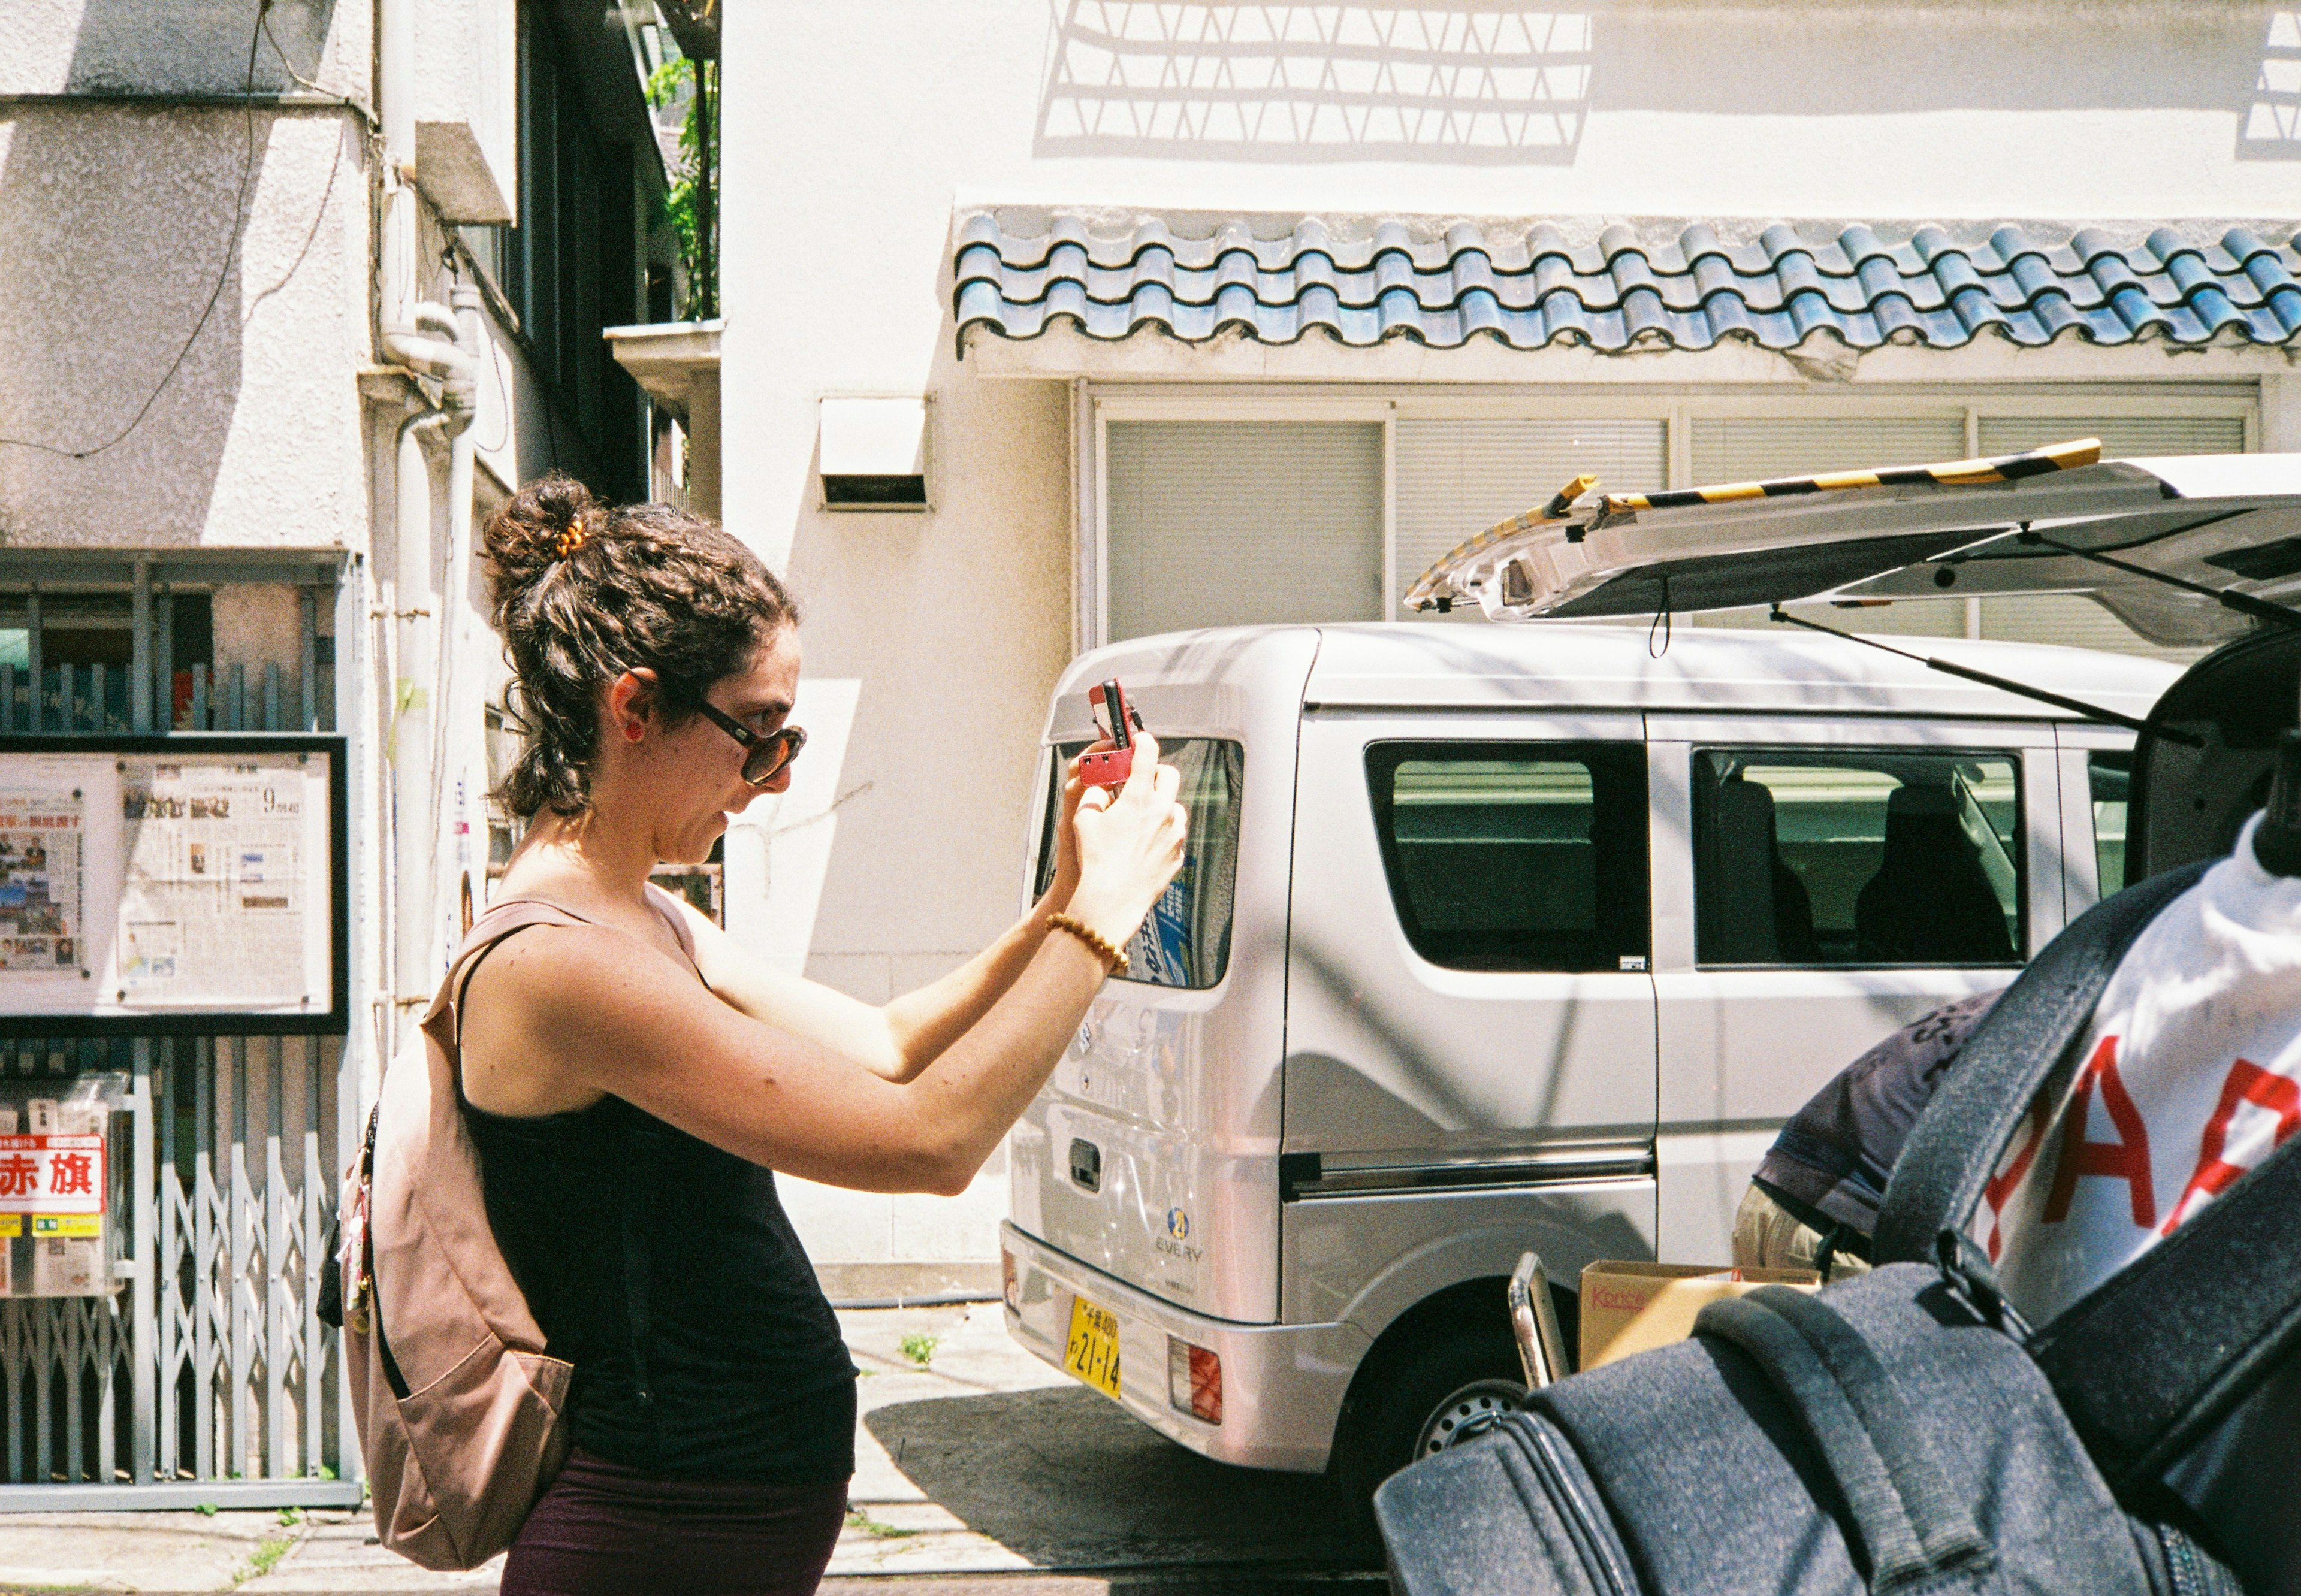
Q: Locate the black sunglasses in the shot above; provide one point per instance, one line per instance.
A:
(771, 752)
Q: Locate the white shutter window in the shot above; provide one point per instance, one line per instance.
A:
(2123, 436)
(1234, 523)
(1736, 449)
(1458, 478)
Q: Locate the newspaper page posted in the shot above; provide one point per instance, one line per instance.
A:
(54, 1185)
(216, 891)
(41, 907)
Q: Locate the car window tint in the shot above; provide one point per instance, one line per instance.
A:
(1184, 942)
(1516, 857)
(2111, 776)
(1806, 857)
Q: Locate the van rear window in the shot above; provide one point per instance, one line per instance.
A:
(1515, 856)
(1807, 856)
(1185, 940)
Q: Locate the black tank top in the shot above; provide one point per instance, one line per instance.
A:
(745, 1375)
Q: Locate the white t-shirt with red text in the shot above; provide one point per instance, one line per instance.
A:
(2189, 1076)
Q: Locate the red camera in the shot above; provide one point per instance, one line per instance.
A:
(1117, 720)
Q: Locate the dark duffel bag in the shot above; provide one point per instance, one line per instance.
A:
(1904, 1431)
(1885, 1436)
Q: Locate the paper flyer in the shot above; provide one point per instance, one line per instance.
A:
(41, 905)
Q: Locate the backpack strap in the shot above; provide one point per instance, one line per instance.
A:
(1914, 1528)
(2209, 1311)
(2026, 1041)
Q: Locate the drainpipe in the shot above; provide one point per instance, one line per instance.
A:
(435, 342)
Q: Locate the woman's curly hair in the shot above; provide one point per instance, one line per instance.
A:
(583, 593)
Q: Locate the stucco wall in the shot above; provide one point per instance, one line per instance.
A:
(843, 164)
(107, 257)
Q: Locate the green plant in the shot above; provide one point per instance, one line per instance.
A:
(290, 1517)
(265, 1559)
(859, 1518)
(691, 203)
(204, 1509)
(920, 1347)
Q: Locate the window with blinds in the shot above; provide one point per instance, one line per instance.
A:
(2123, 436)
(1457, 478)
(1751, 448)
(1231, 523)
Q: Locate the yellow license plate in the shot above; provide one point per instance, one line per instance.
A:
(1092, 1353)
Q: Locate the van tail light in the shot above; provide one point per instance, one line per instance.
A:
(1194, 1380)
(1010, 1283)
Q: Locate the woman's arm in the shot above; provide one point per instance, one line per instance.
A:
(898, 1041)
(584, 1013)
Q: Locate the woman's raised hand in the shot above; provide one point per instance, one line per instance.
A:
(1130, 845)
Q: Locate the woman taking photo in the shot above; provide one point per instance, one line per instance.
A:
(632, 1077)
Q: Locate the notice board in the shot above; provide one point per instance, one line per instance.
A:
(173, 884)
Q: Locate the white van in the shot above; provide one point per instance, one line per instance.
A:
(1494, 937)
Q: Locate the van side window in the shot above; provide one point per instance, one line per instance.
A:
(1810, 857)
(2111, 775)
(1515, 856)
(1184, 941)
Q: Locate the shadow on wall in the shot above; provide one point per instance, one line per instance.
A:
(122, 233)
(1505, 83)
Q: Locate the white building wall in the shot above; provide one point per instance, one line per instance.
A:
(848, 148)
(127, 149)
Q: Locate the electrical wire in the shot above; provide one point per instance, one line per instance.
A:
(223, 273)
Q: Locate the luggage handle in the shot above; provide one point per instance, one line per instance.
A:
(1913, 1526)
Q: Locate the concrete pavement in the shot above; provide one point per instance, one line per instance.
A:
(979, 1472)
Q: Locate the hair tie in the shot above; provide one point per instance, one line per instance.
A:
(571, 540)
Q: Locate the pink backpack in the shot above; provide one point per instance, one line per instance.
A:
(459, 1409)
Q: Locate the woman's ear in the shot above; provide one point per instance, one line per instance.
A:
(631, 703)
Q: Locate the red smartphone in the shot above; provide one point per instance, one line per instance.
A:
(1117, 718)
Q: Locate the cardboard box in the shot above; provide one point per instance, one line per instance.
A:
(1630, 1307)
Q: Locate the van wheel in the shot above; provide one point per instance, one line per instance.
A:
(1446, 1390)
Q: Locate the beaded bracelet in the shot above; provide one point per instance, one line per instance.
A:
(1113, 956)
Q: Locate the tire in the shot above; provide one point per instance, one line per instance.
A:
(1444, 1389)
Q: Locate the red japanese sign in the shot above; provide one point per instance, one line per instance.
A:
(51, 1174)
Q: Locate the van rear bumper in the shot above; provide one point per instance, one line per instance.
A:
(1282, 1384)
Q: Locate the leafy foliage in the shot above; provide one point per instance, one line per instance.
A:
(690, 203)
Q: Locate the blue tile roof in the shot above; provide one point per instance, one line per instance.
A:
(1630, 289)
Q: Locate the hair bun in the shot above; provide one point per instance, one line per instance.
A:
(541, 524)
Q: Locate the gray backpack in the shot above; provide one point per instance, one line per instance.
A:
(1906, 1431)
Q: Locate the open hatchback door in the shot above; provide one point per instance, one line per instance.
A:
(2184, 549)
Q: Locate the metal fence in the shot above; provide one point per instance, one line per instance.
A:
(206, 1376)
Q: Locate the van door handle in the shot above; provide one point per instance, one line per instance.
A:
(1086, 1165)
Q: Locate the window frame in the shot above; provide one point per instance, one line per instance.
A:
(1628, 754)
(1678, 407)
(2017, 853)
(1055, 758)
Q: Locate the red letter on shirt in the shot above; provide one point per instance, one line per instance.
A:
(2000, 1190)
(2126, 1159)
(2247, 1082)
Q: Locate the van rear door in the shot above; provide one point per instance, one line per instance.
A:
(1152, 1153)
(2020, 523)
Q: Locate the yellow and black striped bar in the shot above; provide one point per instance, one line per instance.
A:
(1420, 596)
(2005, 468)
